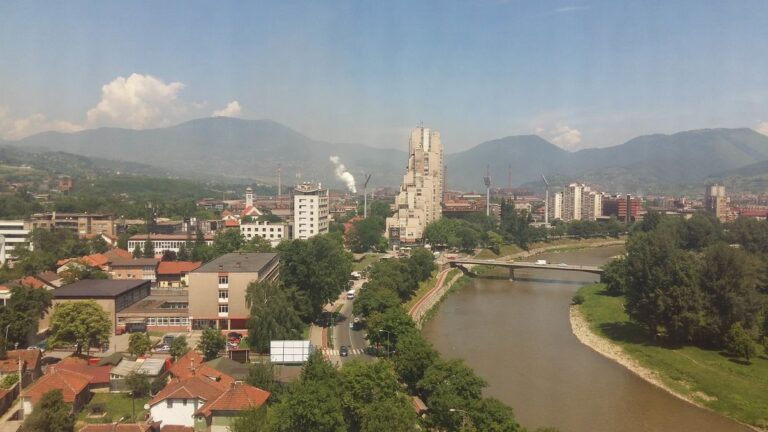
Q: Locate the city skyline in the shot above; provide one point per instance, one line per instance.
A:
(580, 74)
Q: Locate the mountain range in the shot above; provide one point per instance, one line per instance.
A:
(236, 148)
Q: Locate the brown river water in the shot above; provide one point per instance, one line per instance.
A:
(517, 335)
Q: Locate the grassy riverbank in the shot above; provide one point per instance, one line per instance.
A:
(706, 377)
(558, 245)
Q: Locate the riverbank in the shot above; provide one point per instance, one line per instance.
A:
(703, 378)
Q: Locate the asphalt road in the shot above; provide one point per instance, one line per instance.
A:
(354, 340)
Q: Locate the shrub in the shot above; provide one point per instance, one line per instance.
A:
(577, 299)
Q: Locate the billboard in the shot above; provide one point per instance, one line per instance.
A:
(289, 352)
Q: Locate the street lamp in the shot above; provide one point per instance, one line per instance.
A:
(464, 416)
(389, 347)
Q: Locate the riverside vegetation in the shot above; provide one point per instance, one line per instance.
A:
(690, 302)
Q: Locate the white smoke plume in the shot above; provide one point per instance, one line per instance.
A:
(343, 175)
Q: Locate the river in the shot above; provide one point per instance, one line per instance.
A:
(517, 335)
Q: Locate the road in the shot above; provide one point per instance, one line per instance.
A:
(354, 340)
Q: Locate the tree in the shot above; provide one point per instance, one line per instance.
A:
(318, 369)
(365, 234)
(83, 323)
(738, 342)
(211, 343)
(273, 315)
(448, 384)
(139, 344)
(386, 328)
(183, 254)
(169, 255)
(365, 384)
(138, 385)
(379, 209)
(614, 276)
(494, 242)
(319, 268)
(262, 375)
(21, 316)
(98, 245)
(159, 383)
(51, 414)
(250, 420)
(442, 233)
(421, 264)
(393, 415)
(257, 244)
(137, 253)
(490, 414)
(227, 241)
(374, 299)
(149, 249)
(413, 356)
(179, 346)
(308, 406)
(702, 230)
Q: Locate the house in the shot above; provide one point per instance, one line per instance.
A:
(173, 274)
(191, 364)
(203, 403)
(134, 269)
(149, 367)
(98, 376)
(74, 388)
(118, 254)
(236, 370)
(30, 364)
(99, 261)
(51, 279)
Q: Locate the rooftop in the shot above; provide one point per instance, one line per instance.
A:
(238, 262)
(177, 267)
(70, 383)
(135, 262)
(152, 305)
(179, 236)
(97, 288)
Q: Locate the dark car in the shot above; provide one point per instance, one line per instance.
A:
(343, 351)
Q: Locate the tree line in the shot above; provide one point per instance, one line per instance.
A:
(696, 281)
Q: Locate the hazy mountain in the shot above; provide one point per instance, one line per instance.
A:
(227, 147)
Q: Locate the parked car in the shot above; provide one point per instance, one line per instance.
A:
(163, 348)
(168, 339)
(343, 351)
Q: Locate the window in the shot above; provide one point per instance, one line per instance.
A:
(223, 294)
(223, 308)
(223, 280)
(184, 402)
(169, 403)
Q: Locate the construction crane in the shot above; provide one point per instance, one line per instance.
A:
(546, 201)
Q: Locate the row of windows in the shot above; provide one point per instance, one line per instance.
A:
(279, 235)
(263, 229)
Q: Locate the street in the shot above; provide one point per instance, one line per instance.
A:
(354, 340)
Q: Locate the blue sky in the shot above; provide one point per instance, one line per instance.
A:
(579, 73)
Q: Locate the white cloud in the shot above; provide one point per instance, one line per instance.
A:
(19, 127)
(568, 9)
(233, 109)
(562, 136)
(762, 128)
(139, 101)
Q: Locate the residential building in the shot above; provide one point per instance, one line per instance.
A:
(112, 295)
(419, 201)
(81, 223)
(591, 204)
(219, 414)
(174, 274)
(572, 202)
(138, 268)
(310, 211)
(165, 242)
(272, 232)
(625, 208)
(74, 388)
(30, 364)
(162, 310)
(217, 289)
(555, 207)
(716, 202)
(13, 234)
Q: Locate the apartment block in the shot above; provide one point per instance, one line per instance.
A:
(269, 231)
(13, 234)
(716, 202)
(311, 214)
(217, 289)
(81, 223)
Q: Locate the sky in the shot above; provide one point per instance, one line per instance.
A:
(579, 73)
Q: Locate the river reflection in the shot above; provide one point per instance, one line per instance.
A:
(517, 336)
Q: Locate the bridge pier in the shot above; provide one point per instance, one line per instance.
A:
(511, 274)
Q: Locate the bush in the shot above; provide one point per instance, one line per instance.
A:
(577, 299)
(9, 380)
(738, 342)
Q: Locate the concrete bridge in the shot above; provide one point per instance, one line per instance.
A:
(512, 265)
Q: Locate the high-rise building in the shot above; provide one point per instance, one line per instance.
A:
(13, 234)
(311, 215)
(419, 201)
(555, 206)
(576, 202)
(572, 202)
(591, 204)
(716, 202)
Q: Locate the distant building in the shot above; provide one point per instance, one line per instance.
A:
(716, 202)
(269, 231)
(419, 201)
(311, 214)
(217, 289)
(174, 274)
(80, 223)
(555, 206)
(139, 268)
(13, 233)
(591, 204)
(625, 208)
(165, 242)
(576, 202)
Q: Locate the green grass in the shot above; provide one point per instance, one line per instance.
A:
(726, 385)
(116, 406)
(505, 251)
(423, 289)
(365, 262)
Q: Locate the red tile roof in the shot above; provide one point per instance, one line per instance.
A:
(236, 398)
(30, 356)
(118, 253)
(70, 383)
(194, 387)
(177, 267)
(95, 260)
(33, 282)
(191, 364)
(98, 375)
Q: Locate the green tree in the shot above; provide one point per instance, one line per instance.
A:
(367, 383)
(98, 245)
(262, 375)
(421, 264)
(212, 342)
(137, 253)
(738, 342)
(365, 234)
(138, 385)
(272, 315)
(379, 209)
(614, 276)
(250, 420)
(159, 383)
(50, 414)
(448, 384)
(495, 241)
(139, 344)
(227, 241)
(702, 230)
(386, 328)
(179, 346)
(413, 356)
(373, 299)
(319, 268)
(149, 249)
(83, 323)
(308, 406)
(442, 233)
(317, 369)
(393, 415)
(490, 414)
(183, 254)
(750, 233)
(257, 244)
(23, 312)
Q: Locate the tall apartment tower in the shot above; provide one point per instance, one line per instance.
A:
(419, 201)
(591, 204)
(310, 210)
(716, 202)
(555, 206)
(572, 202)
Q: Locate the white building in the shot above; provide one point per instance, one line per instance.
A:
(311, 214)
(556, 206)
(576, 202)
(165, 242)
(273, 232)
(13, 233)
(419, 201)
